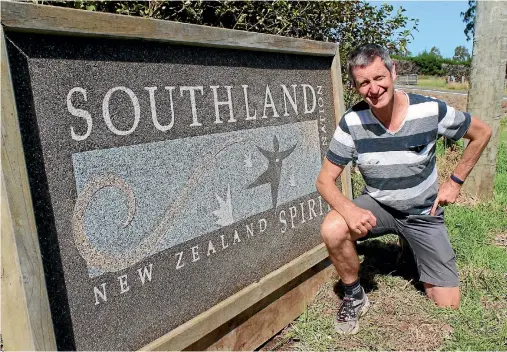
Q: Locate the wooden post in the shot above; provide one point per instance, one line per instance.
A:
(486, 88)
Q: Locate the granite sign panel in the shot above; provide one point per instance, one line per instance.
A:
(165, 178)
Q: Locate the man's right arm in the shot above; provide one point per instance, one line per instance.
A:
(359, 220)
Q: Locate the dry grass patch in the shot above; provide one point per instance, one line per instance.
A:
(399, 319)
(498, 306)
(458, 86)
(501, 240)
(447, 163)
(445, 166)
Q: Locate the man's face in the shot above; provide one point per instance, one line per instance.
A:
(375, 83)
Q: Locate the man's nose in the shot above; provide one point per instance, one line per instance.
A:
(374, 88)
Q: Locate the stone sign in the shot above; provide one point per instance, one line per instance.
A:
(165, 177)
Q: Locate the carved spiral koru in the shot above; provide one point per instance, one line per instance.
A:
(98, 259)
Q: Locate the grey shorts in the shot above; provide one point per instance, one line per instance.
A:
(426, 235)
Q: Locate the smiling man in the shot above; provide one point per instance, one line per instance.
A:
(392, 136)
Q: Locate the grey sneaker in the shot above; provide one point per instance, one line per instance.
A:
(347, 318)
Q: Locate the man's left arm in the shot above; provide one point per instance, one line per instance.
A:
(479, 134)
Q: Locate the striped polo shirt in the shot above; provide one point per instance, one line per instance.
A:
(399, 168)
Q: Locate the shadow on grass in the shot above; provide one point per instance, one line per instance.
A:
(380, 258)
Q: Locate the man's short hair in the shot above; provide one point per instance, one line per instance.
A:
(364, 55)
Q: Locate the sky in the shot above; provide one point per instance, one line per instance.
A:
(440, 25)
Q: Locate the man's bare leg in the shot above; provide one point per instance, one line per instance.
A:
(342, 251)
(340, 245)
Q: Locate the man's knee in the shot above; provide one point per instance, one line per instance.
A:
(334, 229)
(444, 297)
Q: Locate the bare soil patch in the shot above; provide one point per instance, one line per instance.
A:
(501, 240)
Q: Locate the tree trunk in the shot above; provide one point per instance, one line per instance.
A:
(486, 88)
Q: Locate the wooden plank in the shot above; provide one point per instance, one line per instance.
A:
(339, 110)
(26, 316)
(57, 20)
(193, 330)
(261, 325)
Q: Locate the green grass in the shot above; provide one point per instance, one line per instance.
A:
(431, 82)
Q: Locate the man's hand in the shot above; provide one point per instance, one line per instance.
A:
(447, 193)
(360, 220)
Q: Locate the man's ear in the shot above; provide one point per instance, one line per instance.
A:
(393, 72)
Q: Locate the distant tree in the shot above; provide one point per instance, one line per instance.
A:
(406, 54)
(430, 63)
(435, 51)
(469, 19)
(461, 54)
